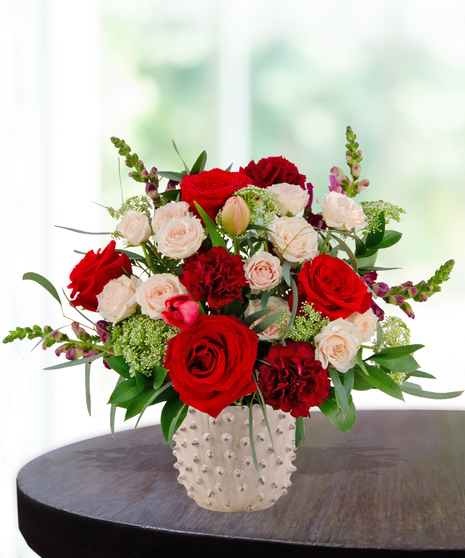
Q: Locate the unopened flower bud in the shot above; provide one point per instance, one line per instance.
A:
(380, 289)
(412, 292)
(407, 309)
(61, 349)
(153, 171)
(362, 185)
(396, 300)
(356, 170)
(78, 331)
(171, 185)
(235, 216)
(349, 159)
(152, 191)
(74, 354)
(144, 173)
(102, 330)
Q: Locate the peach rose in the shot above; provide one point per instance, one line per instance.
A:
(365, 323)
(180, 238)
(263, 271)
(337, 345)
(292, 199)
(152, 293)
(169, 211)
(274, 304)
(341, 212)
(135, 227)
(117, 301)
(294, 239)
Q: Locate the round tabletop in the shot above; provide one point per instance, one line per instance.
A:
(394, 486)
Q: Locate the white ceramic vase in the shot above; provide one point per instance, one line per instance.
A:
(215, 464)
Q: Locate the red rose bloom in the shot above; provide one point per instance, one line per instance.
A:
(332, 287)
(293, 380)
(93, 272)
(273, 170)
(214, 276)
(211, 363)
(210, 189)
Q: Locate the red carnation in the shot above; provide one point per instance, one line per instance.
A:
(293, 380)
(93, 272)
(214, 276)
(273, 170)
(332, 287)
(210, 189)
(211, 363)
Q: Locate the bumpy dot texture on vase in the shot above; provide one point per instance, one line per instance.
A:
(214, 458)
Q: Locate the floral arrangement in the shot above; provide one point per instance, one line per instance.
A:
(243, 293)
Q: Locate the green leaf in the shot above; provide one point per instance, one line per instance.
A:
(299, 431)
(141, 379)
(295, 302)
(333, 414)
(340, 391)
(348, 381)
(396, 352)
(170, 414)
(367, 262)
(118, 364)
(420, 374)
(133, 256)
(171, 195)
(261, 402)
(265, 323)
(257, 228)
(159, 375)
(165, 393)
(374, 238)
(347, 250)
(252, 443)
(79, 231)
(230, 167)
(216, 238)
(199, 165)
(390, 238)
(45, 283)
(87, 382)
(379, 334)
(255, 316)
(75, 362)
(360, 246)
(405, 364)
(360, 382)
(170, 175)
(383, 382)
(113, 411)
(181, 415)
(124, 391)
(176, 149)
(415, 389)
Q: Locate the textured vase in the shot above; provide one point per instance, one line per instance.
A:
(215, 464)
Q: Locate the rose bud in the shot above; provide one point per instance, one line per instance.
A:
(181, 311)
(235, 216)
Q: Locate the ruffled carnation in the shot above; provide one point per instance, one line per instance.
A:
(273, 170)
(293, 380)
(214, 276)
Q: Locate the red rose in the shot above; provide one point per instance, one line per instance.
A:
(93, 272)
(210, 189)
(211, 363)
(293, 380)
(273, 170)
(214, 276)
(332, 287)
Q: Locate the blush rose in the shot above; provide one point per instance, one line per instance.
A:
(117, 301)
(341, 212)
(292, 199)
(152, 293)
(263, 271)
(337, 345)
(180, 238)
(294, 239)
(135, 227)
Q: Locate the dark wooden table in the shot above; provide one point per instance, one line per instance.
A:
(394, 486)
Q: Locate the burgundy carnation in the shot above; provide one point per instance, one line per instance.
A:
(293, 381)
(273, 170)
(93, 272)
(214, 276)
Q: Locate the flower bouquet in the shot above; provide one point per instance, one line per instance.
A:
(242, 293)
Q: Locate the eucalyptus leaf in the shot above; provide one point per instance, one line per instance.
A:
(415, 389)
(249, 320)
(177, 151)
(87, 383)
(170, 175)
(361, 362)
(367, 262)
(405, 364)
(77, 362)
(299, 431)
(113, 411)
(340, 391)
(333, 414)
(252, 443)
(347, 250)
(81, 232)
(420, 374)
(43, 282)
(348, 381)
(264, 299)
(267, 322)
(396, 352)
(287, 272)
